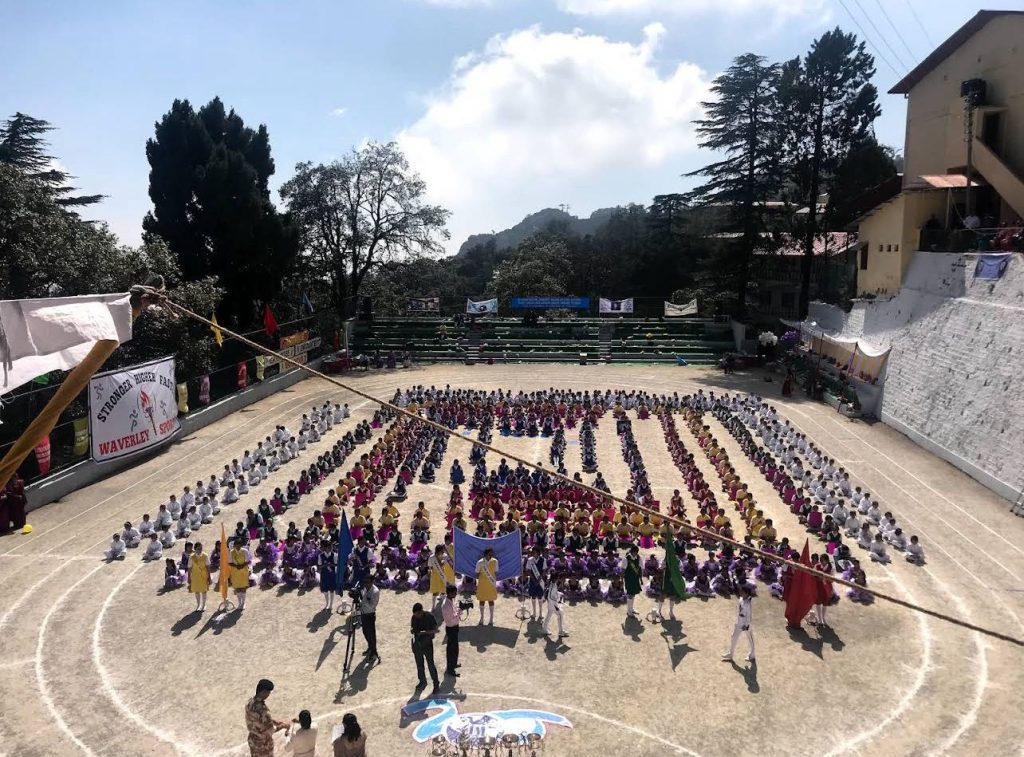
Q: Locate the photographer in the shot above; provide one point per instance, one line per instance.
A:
(450, 612)
(366, 605)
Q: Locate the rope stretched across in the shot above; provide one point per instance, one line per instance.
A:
(602, 494)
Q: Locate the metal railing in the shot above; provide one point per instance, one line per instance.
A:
(998, 239)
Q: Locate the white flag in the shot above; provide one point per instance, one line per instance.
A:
(56, 333)
(673, 311)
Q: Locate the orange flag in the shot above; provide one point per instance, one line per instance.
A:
(222, 579)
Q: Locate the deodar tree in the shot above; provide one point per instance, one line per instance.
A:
(358, 213)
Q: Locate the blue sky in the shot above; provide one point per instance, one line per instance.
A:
(504, 106)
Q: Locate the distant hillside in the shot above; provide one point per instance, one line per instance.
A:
(510, 238)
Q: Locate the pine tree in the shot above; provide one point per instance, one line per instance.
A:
(209, 183)
(23, 147)
(743, 124)
(830, 105)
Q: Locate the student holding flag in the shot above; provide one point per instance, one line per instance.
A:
(672, 586)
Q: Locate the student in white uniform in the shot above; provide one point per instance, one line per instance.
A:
(167, 538)
(195, 520)
(743, 625)
(293, 448)
(231, 493)
(301, 441)
(345, 411)
(259, 454)
(211, 488)
(864, 539)
(188, 498)
(163, 518)
(898, 540)
(206, 510)
(130, 535)
(878, 553)
(243, 486)
(255, 476)
(146, 527)
(247, 462)
(852, 524)
(184, 530)
(338, 415)
(174, 507)
(554, 598)
(117, 549)
(915, 552)
(226, 476)
(274, 462)
(154, 549)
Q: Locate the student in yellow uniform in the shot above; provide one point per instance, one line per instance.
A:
(238, 565)
(441, 574)
(199, 576)
(487, 583)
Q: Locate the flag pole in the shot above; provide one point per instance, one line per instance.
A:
(74, 383)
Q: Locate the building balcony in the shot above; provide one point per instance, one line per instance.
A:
(1001, 239)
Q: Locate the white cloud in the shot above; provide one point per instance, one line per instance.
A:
(537, 119)
(776, 8)
(339, 112)
(460, 3)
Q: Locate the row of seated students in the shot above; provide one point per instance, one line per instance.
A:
(178, 518)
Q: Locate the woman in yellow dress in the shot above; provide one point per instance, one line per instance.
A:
(238, 564)
(442, 575)
(199, 576)
(487, 583)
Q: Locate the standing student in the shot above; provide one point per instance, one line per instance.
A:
(238, 565)
(368, 613)
(743, 621)
(423, 627)
(441, 575)
(632, 575)
(554, 598)
(535, 570)
(450, 615)
(487, 583)
(199, 576)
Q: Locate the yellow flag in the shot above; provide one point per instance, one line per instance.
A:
(215, 328)
(225, 568)
(261, 365)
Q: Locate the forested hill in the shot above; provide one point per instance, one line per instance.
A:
(539, 221)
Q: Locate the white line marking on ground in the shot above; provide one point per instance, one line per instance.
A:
(182, 747)
(554, 706)
(852, 743)
(26, 594)
(44, 687)
(16, 663)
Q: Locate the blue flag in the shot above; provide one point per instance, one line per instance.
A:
(508, 550)
(344, 550)
(307, 303)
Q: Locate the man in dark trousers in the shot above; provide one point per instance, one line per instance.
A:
(368, 611)
(450, 614)
(423, 628)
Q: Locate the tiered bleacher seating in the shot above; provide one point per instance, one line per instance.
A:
(697, 341)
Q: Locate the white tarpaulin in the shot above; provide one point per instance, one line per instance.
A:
(616, 306)
(132, 409)
(56, 333)
(673, 311)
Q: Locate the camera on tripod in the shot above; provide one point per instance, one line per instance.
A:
(465, 604)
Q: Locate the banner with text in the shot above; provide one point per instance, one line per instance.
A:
(424, 305)
(616, 306)
(297, 347)
(133, 409)
(482, 307)
(674, 311)
(550, 303)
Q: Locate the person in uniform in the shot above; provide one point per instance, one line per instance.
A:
(536, 567)
(238, 565)
(743, 620)
(260, 724)
(199, 576)
(487, 583)
(442, 575)
(327, 561)
(633, 574)
(554, 597)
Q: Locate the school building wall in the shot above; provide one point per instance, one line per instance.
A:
(88, 472)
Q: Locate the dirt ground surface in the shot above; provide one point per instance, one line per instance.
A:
(97, 660)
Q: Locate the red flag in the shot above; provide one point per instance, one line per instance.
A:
(243, 375)
(43, 456)
(269, 322)
(801, 591)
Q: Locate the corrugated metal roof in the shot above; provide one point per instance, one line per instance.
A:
(944, 181)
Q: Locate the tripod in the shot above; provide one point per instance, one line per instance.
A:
(352, 622)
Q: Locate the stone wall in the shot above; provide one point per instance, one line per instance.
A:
(954, 381)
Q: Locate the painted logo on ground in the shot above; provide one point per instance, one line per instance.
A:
(453, 725)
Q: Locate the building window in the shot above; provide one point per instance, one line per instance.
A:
(896, 248)
(888, 248)
(788, 300)
(880, 246)
(864, 258)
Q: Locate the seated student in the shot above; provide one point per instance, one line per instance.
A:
(874, 513)
(897, 539)
(231, 493)
(173, 575)
(814, 519)
(853, 524)
(212, 487)
(154, 549)
(915, 552)
(146, 527)
(195, 521)
(878, 553)
(273, 462)
(227, 476)
(117, 549)
(167, 538)
(206, 510)
(864, 538)
(292, 494)
(767, 534)
(242, 485)
(255, 475)
(130, 535)
(173, 507)
(887, 526)
(184, 530)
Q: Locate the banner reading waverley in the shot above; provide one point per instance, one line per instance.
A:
(132, 409)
